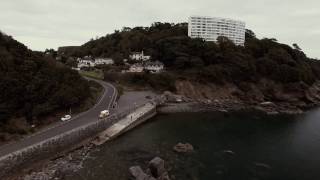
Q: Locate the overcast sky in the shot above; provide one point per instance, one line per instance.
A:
(42, 24)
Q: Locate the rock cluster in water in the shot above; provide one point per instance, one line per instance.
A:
(183, 148)
(156, 171)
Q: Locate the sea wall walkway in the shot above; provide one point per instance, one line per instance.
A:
(115, 124)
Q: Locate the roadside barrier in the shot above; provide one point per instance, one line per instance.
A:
(68, 140)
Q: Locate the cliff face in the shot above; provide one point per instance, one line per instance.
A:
(293, 96)
(198, 91)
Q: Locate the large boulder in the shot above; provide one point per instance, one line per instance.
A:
(138, 174)
(156, 167)
(169, 96)
(155, 171)
(183, 148)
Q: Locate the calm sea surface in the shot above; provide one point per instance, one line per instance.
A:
(248, 146)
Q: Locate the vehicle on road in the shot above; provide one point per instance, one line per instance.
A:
(104, 114)
(114, 105)
(66, 118)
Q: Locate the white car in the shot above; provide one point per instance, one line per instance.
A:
(104, 114)
(66, 118)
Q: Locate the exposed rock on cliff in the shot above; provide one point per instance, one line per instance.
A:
(283, 98)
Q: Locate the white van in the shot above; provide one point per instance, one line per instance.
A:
(104, 114)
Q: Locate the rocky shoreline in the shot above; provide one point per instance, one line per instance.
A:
(197, 107)
(178, 104)
(58, 168)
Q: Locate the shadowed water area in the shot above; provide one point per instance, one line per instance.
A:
(232, 146)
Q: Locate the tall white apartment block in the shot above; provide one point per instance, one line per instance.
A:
(210, 28)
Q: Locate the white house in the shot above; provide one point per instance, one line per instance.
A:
(103, 61)
(136, 68)
(85, 63)
(139, 56)
(89, 62)
(154, 67)
(210, 28)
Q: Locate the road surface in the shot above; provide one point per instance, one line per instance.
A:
(105, 102)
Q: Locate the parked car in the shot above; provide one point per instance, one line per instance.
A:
(66, 118)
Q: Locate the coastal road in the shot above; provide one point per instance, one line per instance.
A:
(105, 102)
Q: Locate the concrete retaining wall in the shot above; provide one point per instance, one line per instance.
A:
(127, 123)
(50, 147)
(141, 119)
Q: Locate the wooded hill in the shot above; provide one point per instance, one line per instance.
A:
(32, 85)
(207, 61)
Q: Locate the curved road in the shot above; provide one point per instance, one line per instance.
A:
(106, 101)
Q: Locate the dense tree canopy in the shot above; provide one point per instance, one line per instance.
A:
(32, 84)
(208, 61)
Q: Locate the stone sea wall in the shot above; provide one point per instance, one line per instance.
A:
(51, 147)
(151, 112)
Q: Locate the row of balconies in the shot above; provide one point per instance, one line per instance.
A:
(220, 34)
(215, 37)
(217, 25)
(218, 22)
(215, 30)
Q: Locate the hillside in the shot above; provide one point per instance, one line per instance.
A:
(33, 86)
(217, 62)
(262, 70)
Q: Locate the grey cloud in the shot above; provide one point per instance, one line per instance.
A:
(44, 24)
